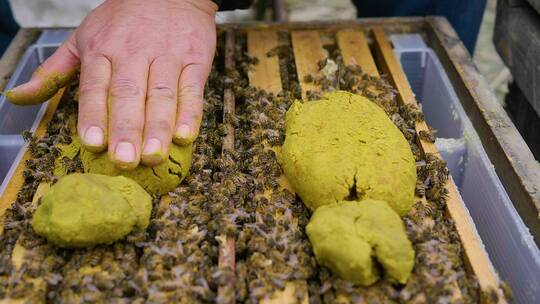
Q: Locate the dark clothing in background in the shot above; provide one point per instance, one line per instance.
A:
(8, 26)
(226, 5)
(464, 15)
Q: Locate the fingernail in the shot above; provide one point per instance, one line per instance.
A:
(152, 152)
(125, 152)
(93, 137)
(184, 131)
(152, 146)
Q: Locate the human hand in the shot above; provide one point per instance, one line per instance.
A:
(143, 68)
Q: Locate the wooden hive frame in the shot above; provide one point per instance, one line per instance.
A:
(353, 42)
(227, 248)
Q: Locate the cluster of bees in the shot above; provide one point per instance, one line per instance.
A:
(237, 193)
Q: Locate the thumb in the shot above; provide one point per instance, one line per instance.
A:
(49, 77)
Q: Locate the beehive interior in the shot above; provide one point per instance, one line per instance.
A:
(234, 230)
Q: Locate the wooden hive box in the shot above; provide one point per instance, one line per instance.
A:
(366, 44)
